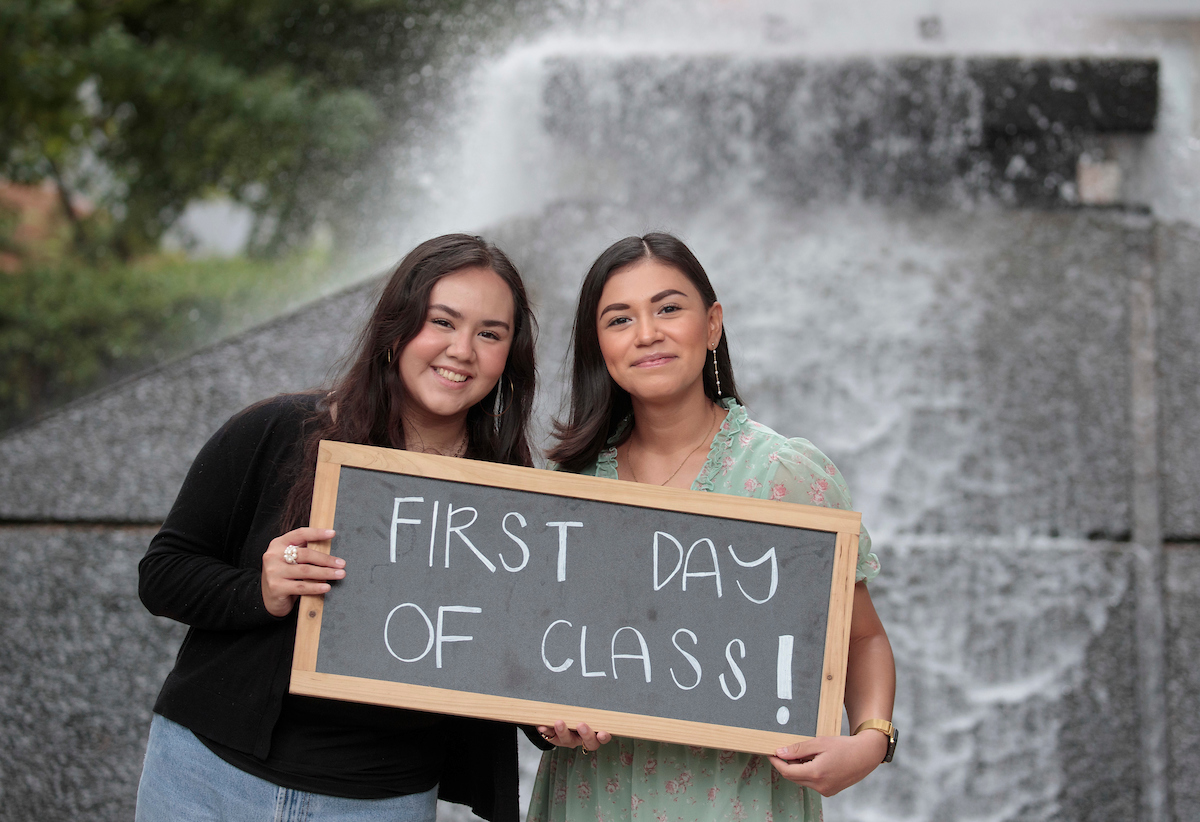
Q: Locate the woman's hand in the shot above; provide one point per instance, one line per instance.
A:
(283, 582)
(830, 764)
(564, 737)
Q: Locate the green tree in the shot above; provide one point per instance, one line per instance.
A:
(280, 104)
(68, 328)
(288, 106)
(42, 68)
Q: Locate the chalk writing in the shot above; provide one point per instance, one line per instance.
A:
(571, 601)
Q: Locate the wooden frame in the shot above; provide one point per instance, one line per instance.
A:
(333, 456)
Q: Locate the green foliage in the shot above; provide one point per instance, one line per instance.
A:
(287, 106)
(280, 104)
(66, 329)
(8, 225)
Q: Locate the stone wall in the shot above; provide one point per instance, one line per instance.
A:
(1016, 686)
(971, 374)
(80, 664)
(1177, 250)
(120, 455)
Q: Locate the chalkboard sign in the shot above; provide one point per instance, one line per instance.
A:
(529, 596)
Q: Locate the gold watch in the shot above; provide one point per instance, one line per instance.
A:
(887, 728)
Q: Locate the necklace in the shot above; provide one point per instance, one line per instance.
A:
(459, 449)
(706, 438)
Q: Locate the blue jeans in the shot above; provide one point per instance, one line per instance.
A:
(183, 781)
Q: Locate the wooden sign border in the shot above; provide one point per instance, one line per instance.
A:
(333, 456)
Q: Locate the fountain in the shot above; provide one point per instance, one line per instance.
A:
(956, 250)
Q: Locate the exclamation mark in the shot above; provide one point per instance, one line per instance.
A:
(783, 680)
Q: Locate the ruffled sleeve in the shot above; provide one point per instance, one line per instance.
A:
(728, 444)
(799, 472)
(605, 465)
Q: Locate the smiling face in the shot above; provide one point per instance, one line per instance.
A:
(461, 349)
(655, 331)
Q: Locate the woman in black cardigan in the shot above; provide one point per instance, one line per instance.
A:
(445, 365)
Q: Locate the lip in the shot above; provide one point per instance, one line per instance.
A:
(448, 382)
(653, 360)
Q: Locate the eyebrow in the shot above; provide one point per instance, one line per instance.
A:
(456, 314)
(659, 297)
(662, 295)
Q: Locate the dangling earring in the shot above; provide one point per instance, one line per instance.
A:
(389, 355)
(716, 372)
(512, 395)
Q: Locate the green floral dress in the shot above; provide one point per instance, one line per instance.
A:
(633, 779)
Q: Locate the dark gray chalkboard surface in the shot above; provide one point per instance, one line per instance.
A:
(531, 596)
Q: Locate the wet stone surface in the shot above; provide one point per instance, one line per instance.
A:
(1183, 678)
(121, 455)
(1015, 688)
(968, 373)
(1004, 653)
(1178, 248)
(81, 662)
(925, 130)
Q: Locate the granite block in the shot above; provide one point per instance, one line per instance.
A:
(1015, 666)
(968, 373)
(120, 455)
(1093, 94)
(1005, 651)
(81, 662)
(1178, 264)
(924, 130)
(1183, 678)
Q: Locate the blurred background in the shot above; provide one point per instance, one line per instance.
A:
(957, 242)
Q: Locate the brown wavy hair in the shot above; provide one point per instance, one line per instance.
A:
(370, 396)
(598, 404)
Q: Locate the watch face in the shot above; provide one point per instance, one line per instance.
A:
(891, 751)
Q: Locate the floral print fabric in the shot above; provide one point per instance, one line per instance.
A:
(633, 779)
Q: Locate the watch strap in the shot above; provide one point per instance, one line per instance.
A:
(886, 728)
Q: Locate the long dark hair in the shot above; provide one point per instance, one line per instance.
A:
(598, 404)
(370, 396)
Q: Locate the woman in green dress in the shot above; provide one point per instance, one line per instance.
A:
(653, 400)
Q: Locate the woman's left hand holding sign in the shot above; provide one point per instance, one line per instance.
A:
(582, 737)
(830, 764)
(290, 569)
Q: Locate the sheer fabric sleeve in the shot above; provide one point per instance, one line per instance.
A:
(799, 472)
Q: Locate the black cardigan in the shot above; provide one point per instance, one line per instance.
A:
(204, 569)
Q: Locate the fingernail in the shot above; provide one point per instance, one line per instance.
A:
(339, 574)
(339, 562)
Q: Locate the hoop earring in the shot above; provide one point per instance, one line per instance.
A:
(716, 372)
(512, 394)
